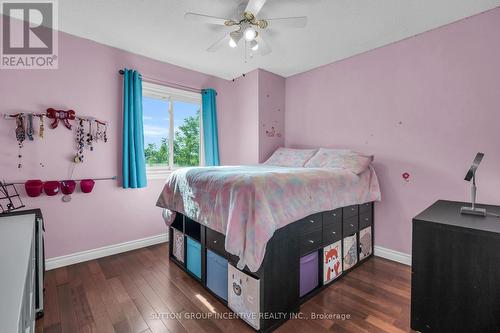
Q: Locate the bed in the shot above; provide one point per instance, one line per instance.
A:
(249, 203)
(265, 238)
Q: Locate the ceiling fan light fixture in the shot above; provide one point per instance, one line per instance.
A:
(234, 38)
(250, 33)
(254, 46)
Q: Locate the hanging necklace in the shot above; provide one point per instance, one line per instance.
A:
(80, 142)
(42, 127)
(20, 137)
(105, 135)
(30, 131)
(99, 135)
(90, 138)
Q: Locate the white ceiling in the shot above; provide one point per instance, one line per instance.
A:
(336, 29)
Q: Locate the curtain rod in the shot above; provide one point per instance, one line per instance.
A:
(170, 84)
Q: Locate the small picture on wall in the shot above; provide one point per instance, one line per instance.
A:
(350, 252)
(365, 243)
(332, 261)
(178, 246)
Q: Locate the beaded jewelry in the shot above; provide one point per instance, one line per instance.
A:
(90, 136)
(20, 137)
(105, 137)
(80, 142)
(42, 127)
(29, 131)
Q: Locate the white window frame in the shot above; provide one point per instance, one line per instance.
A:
(170, 94)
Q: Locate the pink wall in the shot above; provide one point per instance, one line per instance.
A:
(245, 96)
(259, 97)
(87, 81)
(271, 113)
(424, 105)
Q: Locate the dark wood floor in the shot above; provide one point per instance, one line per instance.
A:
(122, 293)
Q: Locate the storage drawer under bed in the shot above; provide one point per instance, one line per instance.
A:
(310, 241)
(311, 223)
(350, 226)
(350, 211)
(332, 226)
(365, 219)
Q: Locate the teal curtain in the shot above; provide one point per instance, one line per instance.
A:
(209, 119)
(134, 164)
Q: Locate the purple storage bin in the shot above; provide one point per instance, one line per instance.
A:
(308, 273)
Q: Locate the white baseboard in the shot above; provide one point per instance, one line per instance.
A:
(109, 250)
(104, 251)
(389, 254)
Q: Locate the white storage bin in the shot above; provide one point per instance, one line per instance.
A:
(244, 296)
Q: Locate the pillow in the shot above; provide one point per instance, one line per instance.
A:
(340, 158)
(289, 157)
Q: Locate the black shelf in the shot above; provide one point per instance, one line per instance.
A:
(192, 229)
(178, 222)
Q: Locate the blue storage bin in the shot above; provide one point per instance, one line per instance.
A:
(217, 274)
(193, 260)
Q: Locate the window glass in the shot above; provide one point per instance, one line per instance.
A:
(156, 131)
(186, 134)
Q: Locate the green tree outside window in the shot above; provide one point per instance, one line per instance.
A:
(186, 146)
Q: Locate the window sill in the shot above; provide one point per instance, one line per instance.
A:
(158, 173)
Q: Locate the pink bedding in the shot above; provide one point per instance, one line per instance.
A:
(249, 203)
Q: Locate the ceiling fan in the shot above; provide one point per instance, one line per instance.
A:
(248, 27)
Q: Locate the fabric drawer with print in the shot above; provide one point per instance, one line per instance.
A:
(193, 260)
(332, 261)
(244, 296)
(217, 274)
(350, 251)
(308, 273)
(178, 245)
(365, 243)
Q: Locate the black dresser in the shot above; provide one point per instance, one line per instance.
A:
(455, 285)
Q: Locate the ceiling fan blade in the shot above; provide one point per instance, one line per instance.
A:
(219, 43)
(254, 6)
(289, 22)
(205, 18)
(264, 47)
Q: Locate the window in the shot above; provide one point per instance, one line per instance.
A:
(171, 128)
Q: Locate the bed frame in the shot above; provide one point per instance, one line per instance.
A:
(279, 276)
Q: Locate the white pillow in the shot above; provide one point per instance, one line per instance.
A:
(289, 157)
(340, 158)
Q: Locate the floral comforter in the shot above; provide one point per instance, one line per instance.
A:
(249, 203)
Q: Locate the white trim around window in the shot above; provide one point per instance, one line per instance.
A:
(171, 94)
